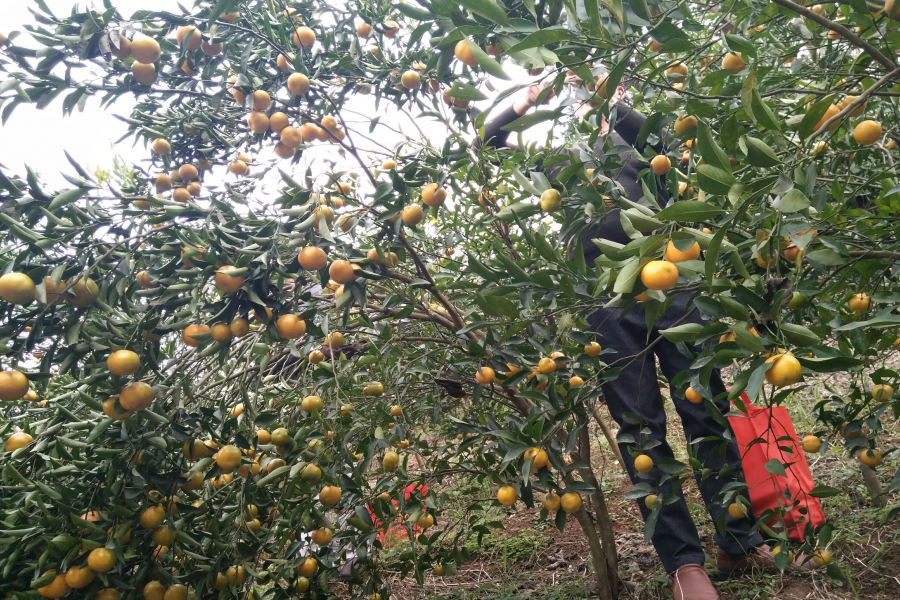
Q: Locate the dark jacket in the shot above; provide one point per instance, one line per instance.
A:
(624, 133)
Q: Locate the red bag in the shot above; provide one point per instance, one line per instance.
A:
(768, 491)
(396, 531)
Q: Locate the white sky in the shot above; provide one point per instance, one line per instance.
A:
(38, 138)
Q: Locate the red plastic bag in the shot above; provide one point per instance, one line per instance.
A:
(768, 491)
(396, 531)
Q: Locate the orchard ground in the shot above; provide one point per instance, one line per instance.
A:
(529, 559)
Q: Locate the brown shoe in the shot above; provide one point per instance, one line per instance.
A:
(759, 559)
(690, 582)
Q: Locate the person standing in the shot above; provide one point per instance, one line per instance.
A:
(635, 391)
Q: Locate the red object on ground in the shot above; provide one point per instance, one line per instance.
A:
(775, 437)
(396, 531)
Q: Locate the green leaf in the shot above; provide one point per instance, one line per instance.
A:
(486, 62)
(741, 44)
(526, 121)
(465, 91)
(518, 210)
(690, 211)
(682, 333)
(497, 306)
(414, 12)
(66, 197)
(824, 491)
(220, 8)
(710, 151)
(813, 116)
(775, 467)
(831, 364)
(628, 276)
(764, 114)
(759, 154)
(791, 202)
(799, 335)
(714, 180)
(489, 9)
(542, 38)
(826, 257)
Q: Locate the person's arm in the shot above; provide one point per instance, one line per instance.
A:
(494, 134)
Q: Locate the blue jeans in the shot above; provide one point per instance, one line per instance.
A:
(636, 391)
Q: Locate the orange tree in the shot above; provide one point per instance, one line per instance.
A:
(209, 387)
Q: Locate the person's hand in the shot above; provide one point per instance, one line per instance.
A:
(530, 100)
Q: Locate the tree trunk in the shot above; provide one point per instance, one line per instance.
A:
(611, 439)
(873, 485)
(601, 511)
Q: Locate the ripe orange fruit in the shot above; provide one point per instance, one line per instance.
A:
(546, 366)
(154, 590)
(870, 458)
(643, 463)
(660, 164)
(858, 303)
(193, 42)
(693, 396)
(411, 79)
(541, 459)
(736, 511)
(867, 132)
(83, 294)
(278, 121)
(575, 380)
(659, 275)
(882, 393)
(674, 255)
(811, 444)
(144, 280)
(13, 385)
(18, 440)
(181, 195)
(298, 84)
(258, 122)
(176, 592)
(485, 375)
(593, 349)
(330, 495)
(734, 62)
(550, 200)
(464, 53)
(261, 100)
(390, 28)
(228, 458)
(136, 396)
(342, 272)
(239, 327)
(123, 363)
(313, 258)
(785, 370)
(391, 258)
(432, 195)
(311, 403)
(109, 409)
(308, 567)
(56, 588)
(507, 496)
(684, 124)
(221, 332)
(570, 502)
(551, 501)
(830, 112)
(304, 37)
(823, 557)
(290, 327)
(145, 49)
(79, 577)
(226, 282)
(123, 50)
(102, 559)
(238, 168)
(390, 461)
(192, 330)
(153, 517)
(211, 49)
(412, 215)
(335, 340)
(143, 74)
(679, 71)
(161, 146)
(364, 30)
(322, 536)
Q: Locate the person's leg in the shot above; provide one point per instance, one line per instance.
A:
(636, 391)
(719, 454)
